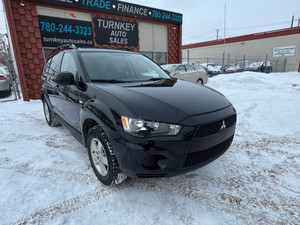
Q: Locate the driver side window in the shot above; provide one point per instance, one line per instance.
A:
(68, 64)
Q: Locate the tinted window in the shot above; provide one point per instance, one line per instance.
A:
(68, 64)
(55, 63)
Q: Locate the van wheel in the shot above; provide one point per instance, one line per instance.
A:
(49, 116)
(102, 158)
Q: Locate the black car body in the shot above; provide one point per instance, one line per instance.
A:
(154, 127)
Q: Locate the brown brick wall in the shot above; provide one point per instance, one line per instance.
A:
(29, 50)
(30, 46)
(173, 44)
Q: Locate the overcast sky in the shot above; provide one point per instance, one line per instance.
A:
(202, 18)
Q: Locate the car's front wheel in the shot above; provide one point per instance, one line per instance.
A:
(102, 158)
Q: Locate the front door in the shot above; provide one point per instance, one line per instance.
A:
(179, 72)
(68, 100)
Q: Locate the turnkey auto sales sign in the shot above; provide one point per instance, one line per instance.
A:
(116, 32)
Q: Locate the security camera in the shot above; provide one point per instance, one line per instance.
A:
(22, 3)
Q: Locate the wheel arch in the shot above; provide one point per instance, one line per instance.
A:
(200, 79)
(87, 125)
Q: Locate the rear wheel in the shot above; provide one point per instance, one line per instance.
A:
(199, 82)
(102, 158)
(49, 116)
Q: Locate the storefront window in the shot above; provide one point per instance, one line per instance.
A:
(159, 57)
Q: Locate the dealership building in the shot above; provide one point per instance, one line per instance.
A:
(36, 27)
(279, 47)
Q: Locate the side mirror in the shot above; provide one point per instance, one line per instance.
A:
(64, 78)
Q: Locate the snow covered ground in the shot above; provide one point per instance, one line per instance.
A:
(46, 177)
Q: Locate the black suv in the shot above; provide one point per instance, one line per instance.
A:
(134, 119)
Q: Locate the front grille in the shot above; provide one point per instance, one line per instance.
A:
(213, 128)
(195, 158)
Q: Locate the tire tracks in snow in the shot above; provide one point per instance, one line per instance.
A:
(237, 202)
(50, 173)
(60, 209)
(56, 141)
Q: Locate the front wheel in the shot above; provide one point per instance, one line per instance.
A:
(102, 158)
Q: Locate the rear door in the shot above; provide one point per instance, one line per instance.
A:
(192, 75)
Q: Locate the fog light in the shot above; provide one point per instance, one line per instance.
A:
(154, 162)
(148, 162)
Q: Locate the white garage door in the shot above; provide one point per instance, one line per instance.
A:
(154, 41)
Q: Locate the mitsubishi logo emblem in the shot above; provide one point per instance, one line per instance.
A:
(223, 125)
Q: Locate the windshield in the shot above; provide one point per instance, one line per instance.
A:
(121, 67)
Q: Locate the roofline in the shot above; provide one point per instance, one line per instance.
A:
(248, 37)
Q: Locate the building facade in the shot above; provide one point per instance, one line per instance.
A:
(36, 27)
(279, 47)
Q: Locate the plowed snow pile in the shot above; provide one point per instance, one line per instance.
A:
(46, 177)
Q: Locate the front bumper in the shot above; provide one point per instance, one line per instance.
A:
(193, 148)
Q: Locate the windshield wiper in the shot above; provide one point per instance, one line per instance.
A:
(157, 78)
(109, 81)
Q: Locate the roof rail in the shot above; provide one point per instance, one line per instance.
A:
(124, 49)
(66, 46)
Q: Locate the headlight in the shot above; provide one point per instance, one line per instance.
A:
(142, 128)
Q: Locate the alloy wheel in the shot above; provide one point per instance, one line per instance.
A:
(99, 157)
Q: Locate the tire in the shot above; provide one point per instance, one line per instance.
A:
(199, 82)
(102, 158)
(49, 116)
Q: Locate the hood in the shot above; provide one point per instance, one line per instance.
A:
(167, 103)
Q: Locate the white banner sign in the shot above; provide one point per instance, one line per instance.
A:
(284, 51)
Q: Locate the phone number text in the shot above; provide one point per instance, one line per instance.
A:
(166, 16)
(65, 28)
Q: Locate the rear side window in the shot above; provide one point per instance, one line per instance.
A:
(180, 68)
(55, 64)
(190, 68)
